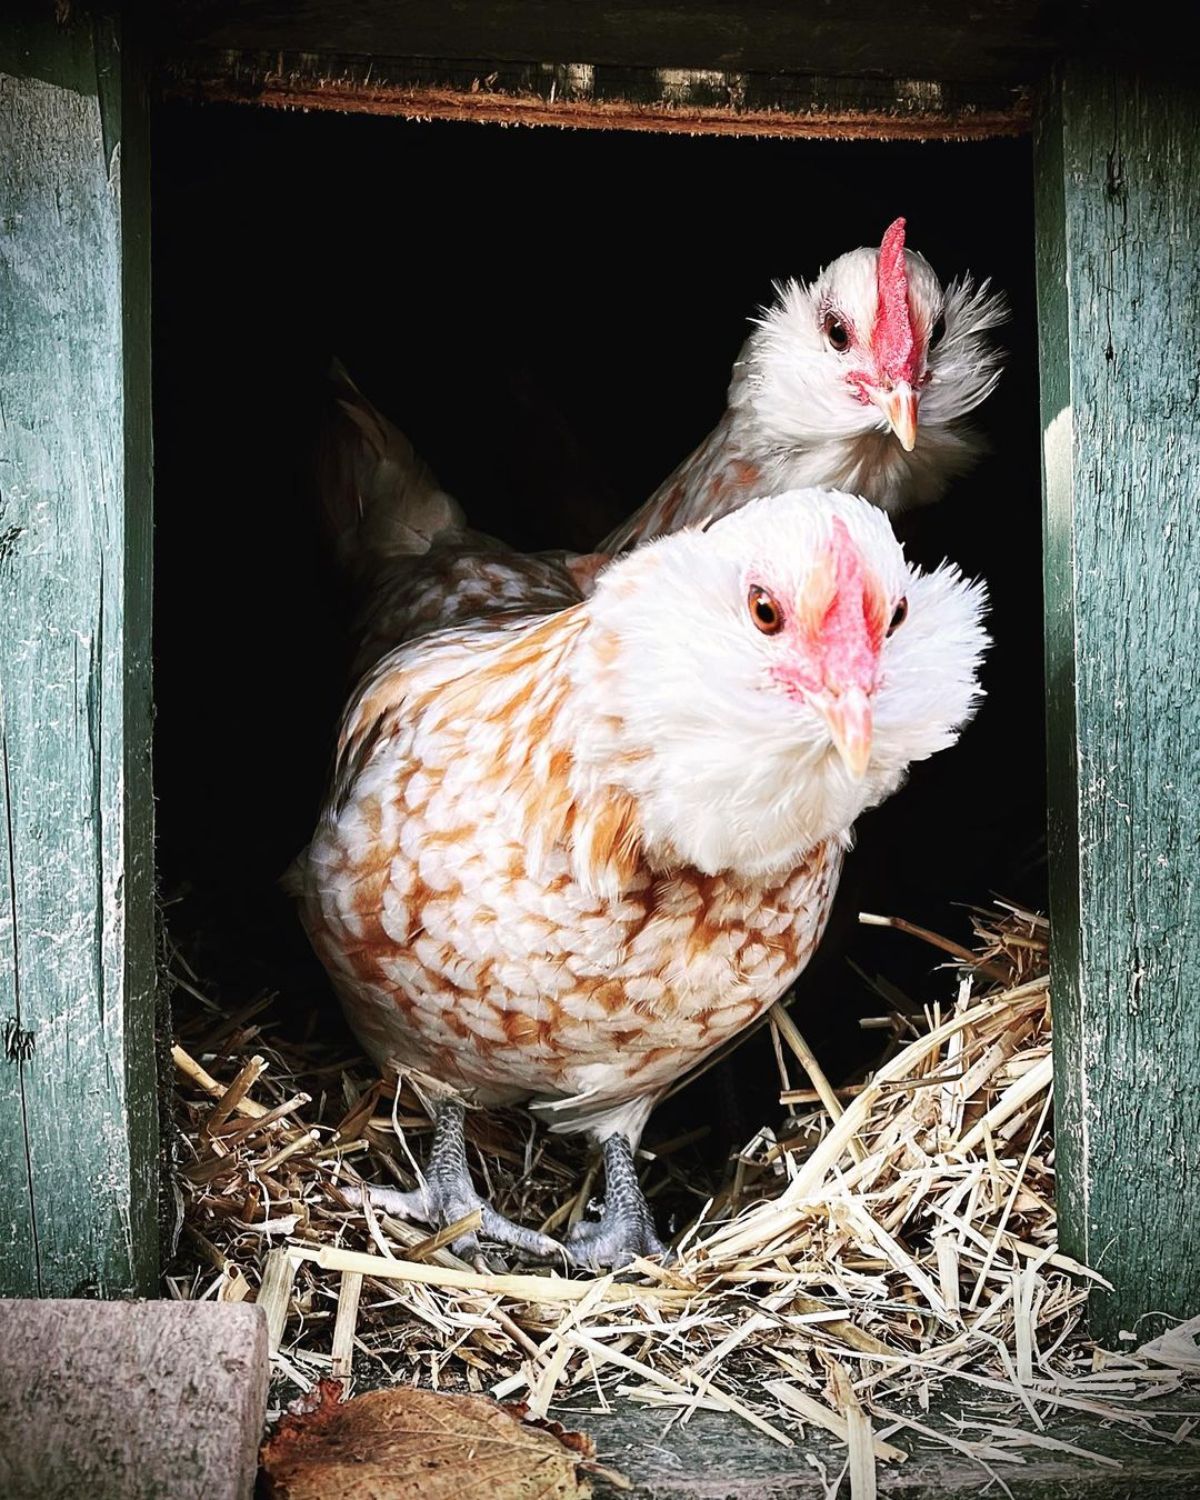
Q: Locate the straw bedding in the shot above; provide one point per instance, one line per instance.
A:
(892, 1237)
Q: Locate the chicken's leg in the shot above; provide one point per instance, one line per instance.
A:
(626, 1226)
(449, 1195)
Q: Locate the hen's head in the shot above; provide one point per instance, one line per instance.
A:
(757, 685)
(874, 345)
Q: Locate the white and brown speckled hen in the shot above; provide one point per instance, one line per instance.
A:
(573, 845)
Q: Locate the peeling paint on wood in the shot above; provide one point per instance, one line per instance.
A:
(1118, 182)
(587, 96)
(77, 1082)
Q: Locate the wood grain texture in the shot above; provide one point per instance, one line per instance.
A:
(716, 1456)
(605, 97)
(77, 1078)
(1118, 172)
(1012, 40)
(131, 1401)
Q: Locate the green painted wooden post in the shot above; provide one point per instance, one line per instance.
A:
(1118, 211)
(77, 1074)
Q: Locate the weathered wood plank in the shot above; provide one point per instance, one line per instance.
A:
(587, 96)
(1010, 41)
(1118, 170)
(717, 1454)
(77, 1104)
(18, 1238)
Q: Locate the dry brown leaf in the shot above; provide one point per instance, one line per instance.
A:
(408, 1444)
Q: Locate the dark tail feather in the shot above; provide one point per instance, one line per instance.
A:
(380, 499)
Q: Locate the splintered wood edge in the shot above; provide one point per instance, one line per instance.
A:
(586, 97)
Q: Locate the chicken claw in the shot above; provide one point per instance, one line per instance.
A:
(448, 1195)
(625, 1229)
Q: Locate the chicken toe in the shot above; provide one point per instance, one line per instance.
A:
(625, 1228)
(448, 1195)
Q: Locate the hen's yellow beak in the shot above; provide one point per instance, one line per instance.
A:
(899, 406)
(848, 716)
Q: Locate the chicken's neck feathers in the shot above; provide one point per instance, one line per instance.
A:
(542, 717)
(743, 457)
(870, 463)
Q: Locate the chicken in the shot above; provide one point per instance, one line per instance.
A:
(566, 853)
(411, 563)
(828, 388)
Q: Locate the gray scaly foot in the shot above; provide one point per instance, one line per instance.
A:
(449, 1195)
(626, 1227)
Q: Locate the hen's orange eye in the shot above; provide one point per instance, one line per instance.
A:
(837, 333)
(765, 613)
(899, 615)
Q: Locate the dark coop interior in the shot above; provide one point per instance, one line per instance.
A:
(551, 316)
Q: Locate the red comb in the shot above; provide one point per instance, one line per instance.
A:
(853, 624)
(893, 341)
